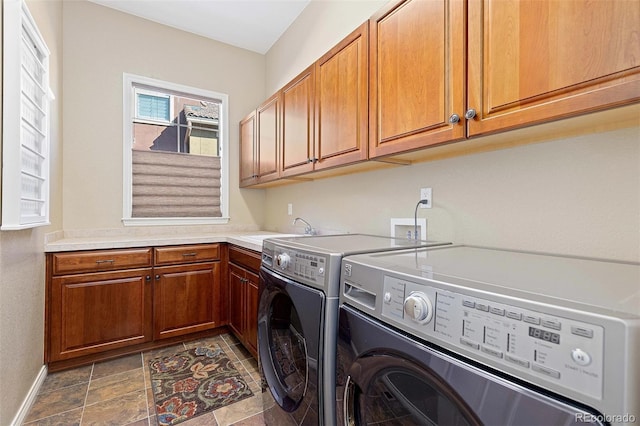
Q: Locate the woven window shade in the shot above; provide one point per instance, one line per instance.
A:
(167, 184)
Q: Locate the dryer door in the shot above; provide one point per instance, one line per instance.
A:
(290, 317)
(392, 378)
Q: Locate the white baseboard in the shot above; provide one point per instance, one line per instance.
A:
(30, 398)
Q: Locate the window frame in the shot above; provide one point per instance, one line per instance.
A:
(16, 17)
(129, 112)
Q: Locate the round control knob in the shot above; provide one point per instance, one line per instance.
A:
(418, 307)
(282, 260)
(387, 298)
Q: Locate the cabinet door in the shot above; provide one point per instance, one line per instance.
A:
(268, 139)
(342, 100)
(247, 150)
(92, 313)
(417, 78)
(186, 299)
(532, 61)
(236, 300)
(297, 124)
(252, 292)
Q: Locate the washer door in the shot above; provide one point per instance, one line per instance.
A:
(289, 319)
(384, 389)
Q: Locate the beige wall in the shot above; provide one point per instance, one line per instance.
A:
(99, 45)
(21, 252)
(577, 196)
(321, 25)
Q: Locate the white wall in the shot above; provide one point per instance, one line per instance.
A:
(21, 252)
(577, 196)
(99, 45)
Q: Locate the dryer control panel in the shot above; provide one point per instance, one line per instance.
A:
(539, 347)
(550, 347)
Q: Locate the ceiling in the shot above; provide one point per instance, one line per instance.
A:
(250, 24)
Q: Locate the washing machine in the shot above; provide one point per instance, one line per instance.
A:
(297, 321)
(463, 335)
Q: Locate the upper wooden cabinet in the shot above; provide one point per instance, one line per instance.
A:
(532, 61)
(325, 109)
(443, 71)
(417, 75)
(297, 124)
(260, 144)
(248, 154)
(342, 102)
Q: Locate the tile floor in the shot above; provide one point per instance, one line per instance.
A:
(118, 392)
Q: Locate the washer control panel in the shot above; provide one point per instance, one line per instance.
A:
(296, 264)
(549, 347)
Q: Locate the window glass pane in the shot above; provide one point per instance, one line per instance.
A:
(155, 137)
(153, 107)
(203, 142)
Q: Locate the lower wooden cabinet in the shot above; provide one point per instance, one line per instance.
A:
(243, 296)
(186, 299)
(101, 303)
(91, 313)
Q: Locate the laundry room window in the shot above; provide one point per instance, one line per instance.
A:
(25, 121)
(175, 153)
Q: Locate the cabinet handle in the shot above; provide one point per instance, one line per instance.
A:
(189, 254)
(315, 160)
(309, 160)
(158, 277)
(454, 118)
(100, 262)
(470, 114)
(148, 278)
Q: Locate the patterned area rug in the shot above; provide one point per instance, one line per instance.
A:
(193, 382)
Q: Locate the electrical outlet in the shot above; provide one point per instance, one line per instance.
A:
(426, 194)
(289, 209)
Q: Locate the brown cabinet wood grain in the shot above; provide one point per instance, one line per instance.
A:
(186, 254)
(91, 313)
(243, 296)
(248, 154)
(417, 75)
(531, 61)
(102, 260)
(268, 139)
(341, 102)
(297, 144)
(186, 299)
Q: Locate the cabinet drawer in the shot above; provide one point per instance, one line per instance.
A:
(187, 254)
(102, 260)
(247, 258)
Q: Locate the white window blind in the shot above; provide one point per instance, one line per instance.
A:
(25, 153)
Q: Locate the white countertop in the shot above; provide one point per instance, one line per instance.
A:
(250, 240)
